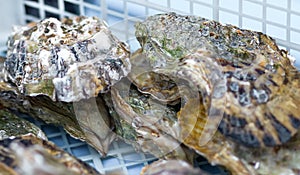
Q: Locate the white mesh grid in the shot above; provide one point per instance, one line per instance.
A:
(280, 19)
(277, 18)
(121, 159)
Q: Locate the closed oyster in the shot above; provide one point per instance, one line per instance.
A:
(170, 167)
(95, 127)
(248, 89)
(58, 68)
(29, 155)
(68, 60)
(240, 69)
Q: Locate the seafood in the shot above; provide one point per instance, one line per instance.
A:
(237, 68)
(56, 69)
(228, 94)
(29, 155)
(95, 128)
(68, 60)
(24, 149)
(170, 167)
(246, 90)
(148, 125)
(13, 126)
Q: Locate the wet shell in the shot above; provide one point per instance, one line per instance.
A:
(170, 167)
(87, 120)
(145, 123)
(29, 155)
(13, 126)
(254, 84)
(68, 60)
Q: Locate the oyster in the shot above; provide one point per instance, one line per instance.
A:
(248, 90)
(145, 123)
(68, 60)
(59, 68)
(29, 155)
(13, 126)
(95, 128)
(237, 68)
(170, 167)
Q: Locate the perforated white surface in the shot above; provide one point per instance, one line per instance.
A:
(277, 18)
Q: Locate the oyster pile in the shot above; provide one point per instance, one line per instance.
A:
(194, 87)
(24, 149)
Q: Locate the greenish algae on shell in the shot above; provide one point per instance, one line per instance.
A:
(14, 126)
(261, 98)
(145, 123)
(246, 69)
(29, 155)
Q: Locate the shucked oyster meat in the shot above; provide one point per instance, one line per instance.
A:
(245, 69)
(68, 60)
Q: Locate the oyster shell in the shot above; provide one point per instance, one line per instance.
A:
(29, 155)
(68, 60)
(95, 128)
(145, 123)
(248, 90)
(13, 126)
(170, 167)
(283, 159)
(240, 69)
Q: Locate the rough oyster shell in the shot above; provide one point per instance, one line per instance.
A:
(170, 167)
(261, 94)
(28, 155)
(13, 126)
(145, 123)
(257, 78)
(67, 60)
(95, 127)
